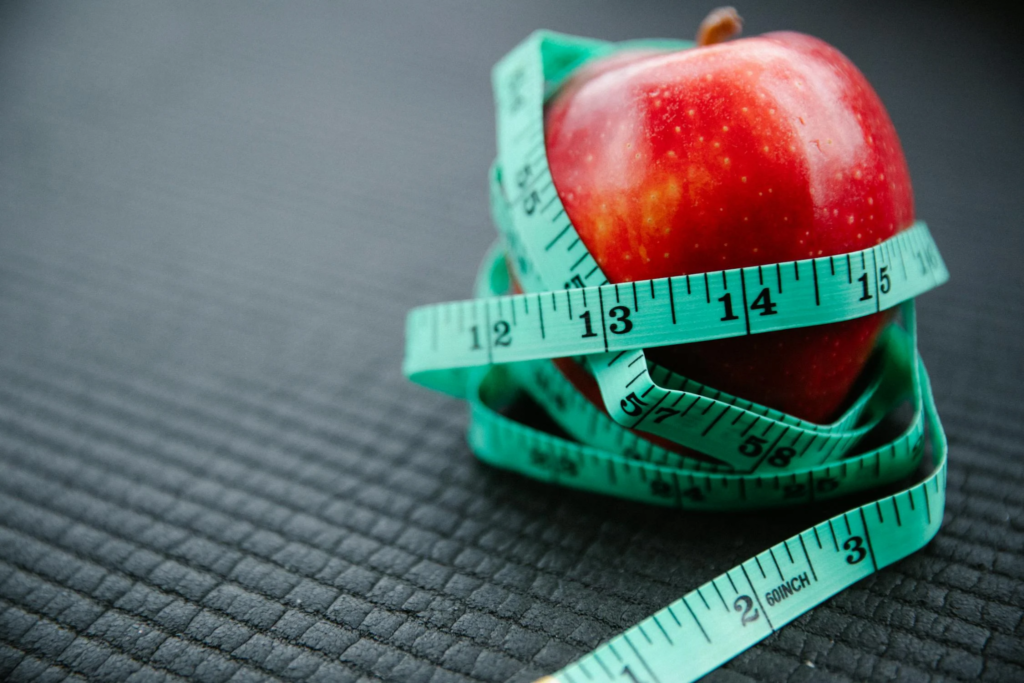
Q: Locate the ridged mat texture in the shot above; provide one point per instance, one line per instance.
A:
(213, 218)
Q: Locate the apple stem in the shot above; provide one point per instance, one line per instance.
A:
(720, 25)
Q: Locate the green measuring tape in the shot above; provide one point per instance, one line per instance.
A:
(491, 349)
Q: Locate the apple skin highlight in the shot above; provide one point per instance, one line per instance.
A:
(744, 153)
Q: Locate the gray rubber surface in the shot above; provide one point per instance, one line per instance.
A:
(213, 218)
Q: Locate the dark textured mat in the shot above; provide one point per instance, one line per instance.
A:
(213, 218)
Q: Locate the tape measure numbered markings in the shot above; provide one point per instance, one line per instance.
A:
(489, 348)
(736, 610)
(616, 322)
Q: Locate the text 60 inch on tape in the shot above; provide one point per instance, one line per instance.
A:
(487, 349)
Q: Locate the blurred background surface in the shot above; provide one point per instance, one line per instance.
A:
(213, 218)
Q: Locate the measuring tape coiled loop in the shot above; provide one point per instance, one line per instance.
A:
(492, 349)
(506, 329)
(615, 459)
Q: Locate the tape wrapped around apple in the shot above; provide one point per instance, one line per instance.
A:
(733, 154)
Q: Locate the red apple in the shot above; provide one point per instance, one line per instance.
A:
(744, 153)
